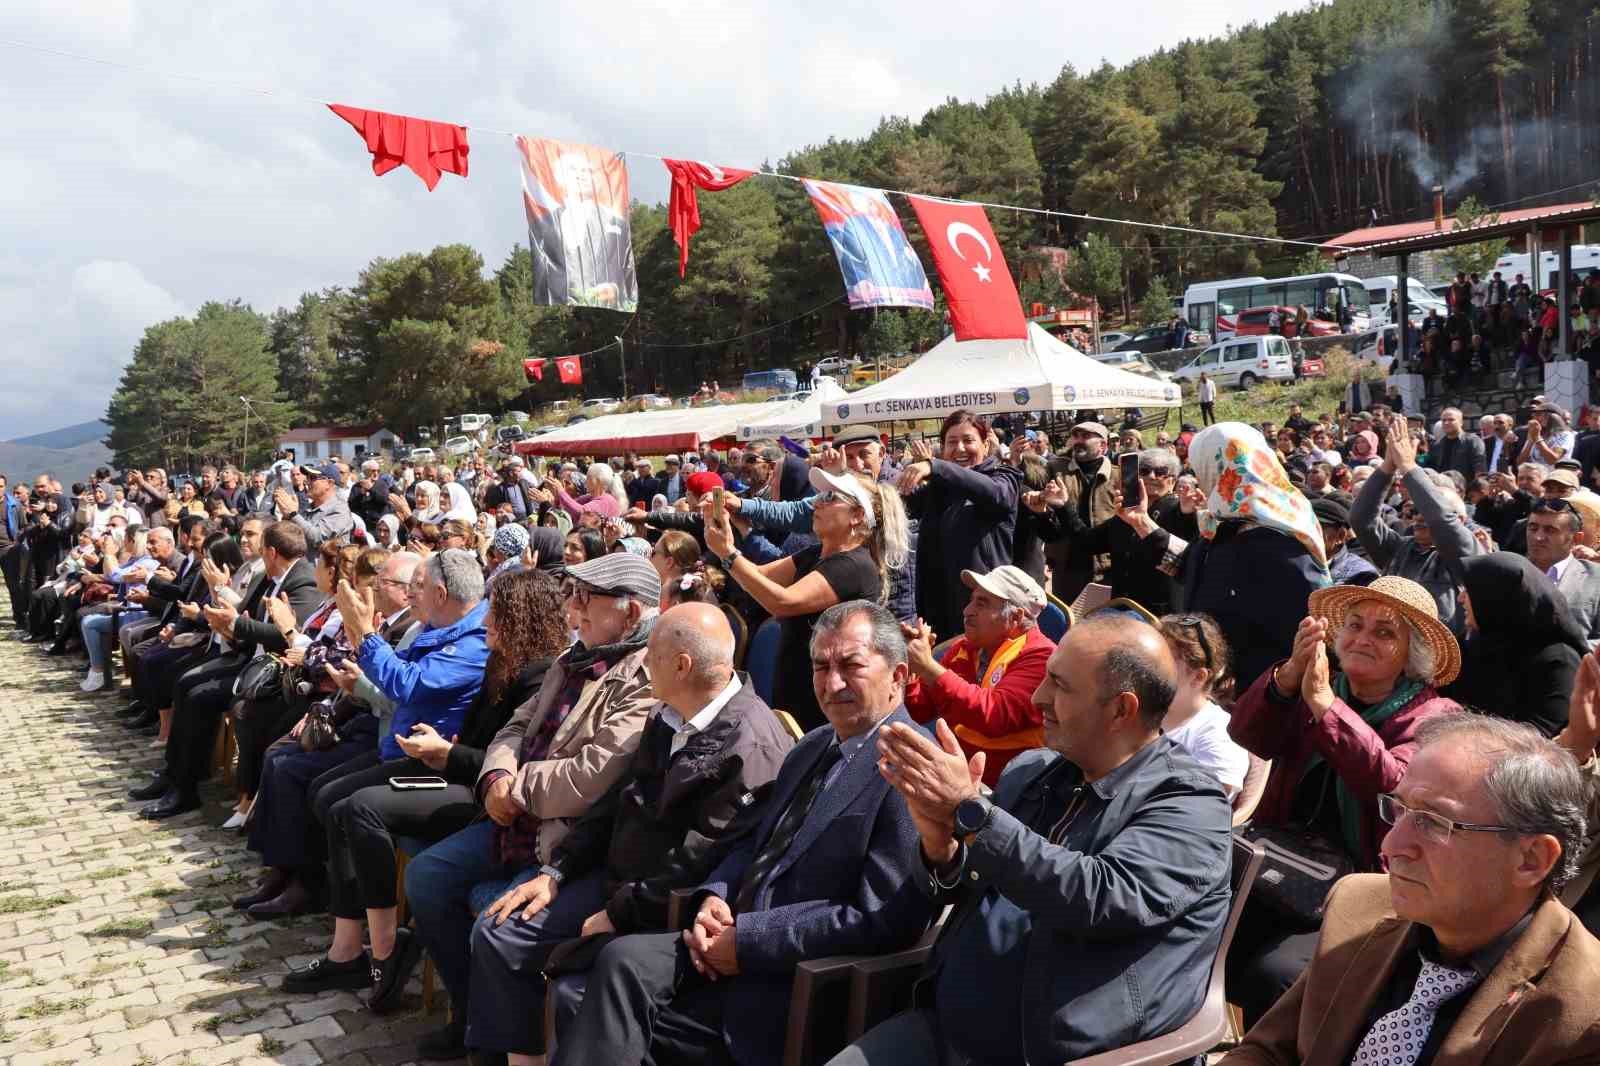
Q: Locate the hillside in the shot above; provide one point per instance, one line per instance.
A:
(20, 462)
(67, 436)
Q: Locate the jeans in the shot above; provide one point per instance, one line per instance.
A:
(447, 887)
(98, 631)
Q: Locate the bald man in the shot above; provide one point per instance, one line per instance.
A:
(1099, 865)
(697, 786)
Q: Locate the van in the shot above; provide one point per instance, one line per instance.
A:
(1243, 361)
(1421, 301)
(473, 423)
(771, 381)
(420, 455)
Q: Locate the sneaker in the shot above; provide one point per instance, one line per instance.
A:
(323, 974)
(94, 682)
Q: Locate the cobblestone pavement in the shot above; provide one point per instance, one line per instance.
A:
(118, 945)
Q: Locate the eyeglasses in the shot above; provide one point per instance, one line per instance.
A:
(834, 496)
(583, 593)
(1433, 828)
(1559, 506)
(1196, 625)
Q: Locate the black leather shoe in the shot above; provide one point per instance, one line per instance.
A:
(171, 805)
(443, 1045)
(146, 719)
(389, 976)
(271, 887)
(323, 975)
(292, 901)
(157, 788)
(135, 709)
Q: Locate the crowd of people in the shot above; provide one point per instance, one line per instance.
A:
(1022, 693)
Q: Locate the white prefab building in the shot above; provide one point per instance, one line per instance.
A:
(338, 442)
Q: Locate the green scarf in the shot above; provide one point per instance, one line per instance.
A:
(1349, 809)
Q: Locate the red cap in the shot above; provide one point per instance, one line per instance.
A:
(704, 482)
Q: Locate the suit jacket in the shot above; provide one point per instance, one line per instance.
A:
(252, 632)
(847, 885)
(179, 590)
(1580, 584)
(1536, 1008)
(1464, 454)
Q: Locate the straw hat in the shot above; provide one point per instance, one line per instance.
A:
(1411, 600)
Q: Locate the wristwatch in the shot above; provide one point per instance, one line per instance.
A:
(552, 873)
(731, 558)
(972, 816)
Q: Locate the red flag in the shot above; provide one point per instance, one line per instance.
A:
(427, 147)
(571, 370)
(983, 299)
(534, 369)
(683, 209)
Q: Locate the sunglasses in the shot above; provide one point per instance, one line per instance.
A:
(1151, 471)
(1194, 624)
(834, 496)
(1559, 507)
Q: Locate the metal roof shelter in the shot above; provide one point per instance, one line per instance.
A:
(1557, 226)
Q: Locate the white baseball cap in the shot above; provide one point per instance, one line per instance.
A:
(846, 485)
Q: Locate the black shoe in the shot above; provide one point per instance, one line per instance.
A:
(146, 719)
(448, 1043)
(323, 975)
(56, 649)
(171, 805)
(389, 976)
(136, 709)
(292, 901)
(271, 887)
(157, 788)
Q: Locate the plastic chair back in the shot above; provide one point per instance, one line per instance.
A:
(1053, 622)
(761, 661)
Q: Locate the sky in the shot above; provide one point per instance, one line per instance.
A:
(128, 198)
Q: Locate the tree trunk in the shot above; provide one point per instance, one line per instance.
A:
(1506, 155)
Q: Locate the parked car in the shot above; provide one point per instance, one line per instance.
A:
(1253, 323)
(1148, 341)
(458, 445)
(521, 418)
(509, 434)
(1110, 339)
(601, 405)
(773, 380)
(836, 364)
(654, 401)
(1243, 361)
(1380, 349)
(473, 423)
(1132, 362)
(868, 373)
(559, 405)
(1307, 365)
(421, 455)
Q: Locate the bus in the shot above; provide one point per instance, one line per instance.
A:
(1211, 306)
(1585, 261)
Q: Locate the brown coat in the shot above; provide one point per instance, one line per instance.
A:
(590, 751)
(1537, 1007)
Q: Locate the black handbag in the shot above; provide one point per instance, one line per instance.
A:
(321, 730)
(260, 680)
(1298, 870)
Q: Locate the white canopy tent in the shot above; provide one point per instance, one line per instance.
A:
(799, 418)
(679, 429)
(1036, 373)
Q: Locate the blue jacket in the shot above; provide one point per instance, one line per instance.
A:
(1095, 943)
(435, 680)
(846, 886)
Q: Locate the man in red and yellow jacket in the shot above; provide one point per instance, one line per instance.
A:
(983, 684)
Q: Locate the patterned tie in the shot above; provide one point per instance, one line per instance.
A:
(787, 829)
(1397, 1038)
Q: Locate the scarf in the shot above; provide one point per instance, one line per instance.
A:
(1244, 481)
(1405, 690)
(1021, 740)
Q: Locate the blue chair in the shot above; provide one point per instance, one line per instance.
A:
(1053, 622)
(761, 659)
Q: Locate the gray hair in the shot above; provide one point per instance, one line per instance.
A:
(459, 571)
(1163, 459)
(162, 533)
(1421, 663)
(887, 640)
(1533, 782)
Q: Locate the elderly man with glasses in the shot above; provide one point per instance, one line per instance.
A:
(561, 751)
(1461, 952)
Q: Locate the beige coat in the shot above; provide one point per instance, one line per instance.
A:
(590, 751)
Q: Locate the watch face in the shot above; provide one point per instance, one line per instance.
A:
(970, 815)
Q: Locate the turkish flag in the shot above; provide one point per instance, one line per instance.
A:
(977, 285)
(571, 370)
(533, 369)
(683, 209)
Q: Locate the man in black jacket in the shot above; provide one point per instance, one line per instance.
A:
(369, 497)
(1098, 869)
(204, 693)
(697, 785)
(1456, 449)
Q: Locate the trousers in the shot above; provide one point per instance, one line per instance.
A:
(506, 1008)
(365, 817)
(287, 827)
(100, 633)
(199, 699)
(645, 1002)
(911, 1038)
(130, 636)
(256, 726)
(1266, 957)
(447, 887)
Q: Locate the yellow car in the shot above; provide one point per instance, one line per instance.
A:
(869, 373)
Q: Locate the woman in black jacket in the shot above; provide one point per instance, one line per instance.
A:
(967, 504)
(525, 633)
(1523, 647)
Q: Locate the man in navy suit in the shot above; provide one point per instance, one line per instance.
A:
(832, 870)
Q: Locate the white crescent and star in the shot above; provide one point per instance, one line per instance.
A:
(715, 172)
(952, 234)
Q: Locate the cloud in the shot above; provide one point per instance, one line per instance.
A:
(130, 197)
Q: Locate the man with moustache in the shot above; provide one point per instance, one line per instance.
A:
(1090, 483)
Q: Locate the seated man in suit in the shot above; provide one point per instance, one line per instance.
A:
(1461, 953)
(1552, 529)
(696, 787)
(173, 584)
(832, 870)
(1090, 893)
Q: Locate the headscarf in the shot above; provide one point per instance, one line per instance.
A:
(658, 502)
(510, 541)
(548, 542)
(460, 504)
(1244, 481)
(1516, 606)
(428, 514)
(637, 545)
(1363, 446)
(392, 524)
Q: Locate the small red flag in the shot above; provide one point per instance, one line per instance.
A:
(429, 148)
(534, 369)
(571, 370)
(977, 285)
(683, 209)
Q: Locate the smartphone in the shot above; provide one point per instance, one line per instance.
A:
(417, 784)
(1132, 490)
(718, 496)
